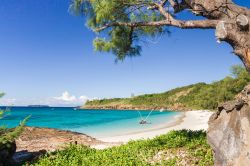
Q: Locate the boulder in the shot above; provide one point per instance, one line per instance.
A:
(6, 153)
(229, 131)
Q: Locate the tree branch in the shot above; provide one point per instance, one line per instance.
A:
(131, 24)
(191, 24)
(168, 21)
(178, 7)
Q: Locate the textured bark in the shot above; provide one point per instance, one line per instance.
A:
(233, 25)
(230, 21)
(229, 131)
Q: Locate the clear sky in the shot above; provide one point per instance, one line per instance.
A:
(47, 57)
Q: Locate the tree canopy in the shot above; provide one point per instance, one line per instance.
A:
(120, 40)
(126, 23)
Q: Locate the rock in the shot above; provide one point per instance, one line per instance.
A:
(35, 141)
(6, 152)
(27, 156)
(229, 131)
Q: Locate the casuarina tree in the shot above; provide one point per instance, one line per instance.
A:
(122, 24)
(125, 22)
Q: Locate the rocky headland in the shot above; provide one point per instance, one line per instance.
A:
(174, 107)
(34, 142)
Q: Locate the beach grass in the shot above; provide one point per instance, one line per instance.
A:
(183, 147)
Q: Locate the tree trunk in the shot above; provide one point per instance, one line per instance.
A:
(233, 27)
(229, 128)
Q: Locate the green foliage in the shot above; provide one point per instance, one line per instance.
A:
(120, 40)
(1, 95)
(120, 48)
(1, 113)
(237, 71)
(136, 152)
(197, 96)
(210, 95)
(9, 135)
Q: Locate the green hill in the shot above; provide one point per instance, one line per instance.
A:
(191, 97)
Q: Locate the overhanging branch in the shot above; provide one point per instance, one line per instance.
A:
(191, 24)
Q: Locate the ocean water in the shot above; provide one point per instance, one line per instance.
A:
(96, 123)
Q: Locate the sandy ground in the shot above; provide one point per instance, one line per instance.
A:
(36, 141)
(193, 120)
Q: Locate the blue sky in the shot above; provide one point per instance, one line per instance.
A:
(47, 57)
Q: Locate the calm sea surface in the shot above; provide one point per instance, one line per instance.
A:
(96, 123)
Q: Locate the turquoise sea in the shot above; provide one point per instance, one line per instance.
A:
(96, 123)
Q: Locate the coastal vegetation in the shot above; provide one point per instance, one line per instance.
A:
(196, 96)
(9, 135)
(182, 147)
(7, 139)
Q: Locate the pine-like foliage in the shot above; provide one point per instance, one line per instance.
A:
(1, 95)
(120, 40)
(9, 135)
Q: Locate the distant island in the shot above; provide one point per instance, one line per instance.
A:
(44, 106)
(192, 97)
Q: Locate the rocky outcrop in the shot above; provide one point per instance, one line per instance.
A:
(6, 153)
(35, 139)
(229, 131)
(34, 142)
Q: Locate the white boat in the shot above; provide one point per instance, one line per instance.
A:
(162, 109)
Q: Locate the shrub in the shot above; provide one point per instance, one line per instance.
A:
(136, 152)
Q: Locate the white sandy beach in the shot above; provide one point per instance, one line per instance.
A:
(193, 120)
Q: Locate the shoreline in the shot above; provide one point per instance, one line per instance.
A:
(35, 141)
(178, 119)
(137, 108)
(193, 120)
(52, 139)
